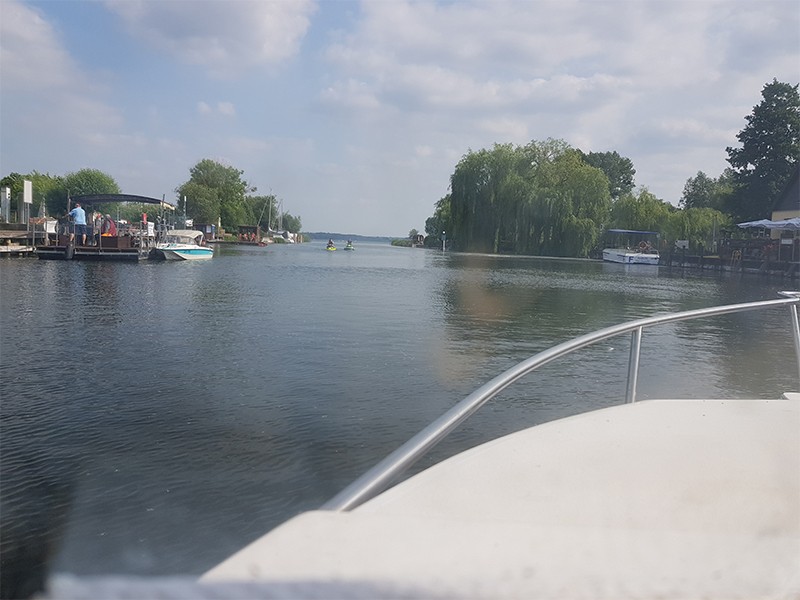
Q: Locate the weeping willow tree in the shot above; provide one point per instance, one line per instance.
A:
(642, 211)
(542, 198)
(700, 226)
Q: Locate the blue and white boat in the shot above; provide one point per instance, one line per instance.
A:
(183, 244)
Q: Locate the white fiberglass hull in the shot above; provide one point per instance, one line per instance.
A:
(655, 499)
(630, 257)
(185, 252)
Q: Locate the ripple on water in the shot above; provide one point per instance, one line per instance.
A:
(157, 417)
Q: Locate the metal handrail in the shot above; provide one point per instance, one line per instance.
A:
(381, 475)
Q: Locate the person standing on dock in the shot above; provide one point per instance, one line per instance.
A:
(79, 217)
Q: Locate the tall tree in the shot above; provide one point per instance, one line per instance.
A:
(618, 169)
(570, 203)
(199, 202)
(698, 191)
(770, 149)
(291, 222)
(643, 212)
(700, 226)
(702, 191)
(223, 182)
(440, 222)
(78, 183)
(541, 198)
(43, 185)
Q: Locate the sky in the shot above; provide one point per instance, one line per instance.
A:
(355, 114)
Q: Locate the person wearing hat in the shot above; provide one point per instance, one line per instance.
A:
(79, 217)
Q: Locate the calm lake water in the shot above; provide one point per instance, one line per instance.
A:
(158, 416)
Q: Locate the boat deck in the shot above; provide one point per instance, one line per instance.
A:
(657, 499)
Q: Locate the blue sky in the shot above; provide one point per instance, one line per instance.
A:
(355, 114)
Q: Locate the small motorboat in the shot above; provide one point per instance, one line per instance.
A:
(349, 245)
(643, 250)
(182, 244)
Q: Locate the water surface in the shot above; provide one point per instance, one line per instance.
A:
(158, 416)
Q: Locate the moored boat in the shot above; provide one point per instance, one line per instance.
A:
(659, 498)
(182, 244)
(633, 247)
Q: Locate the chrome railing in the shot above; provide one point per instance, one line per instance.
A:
(381, 475)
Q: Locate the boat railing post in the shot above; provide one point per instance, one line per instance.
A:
(796, 334)
(633, 365)
(795, 325)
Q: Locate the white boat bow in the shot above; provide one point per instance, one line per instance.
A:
(655, 499)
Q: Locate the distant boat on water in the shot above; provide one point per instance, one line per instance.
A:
(631, 247)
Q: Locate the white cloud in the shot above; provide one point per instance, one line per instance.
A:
(226, 108)
(377, 108)
(650, 78)
(226, 38)
(49, 102)
(31, 56)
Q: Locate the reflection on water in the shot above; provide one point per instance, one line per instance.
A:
(158, 416)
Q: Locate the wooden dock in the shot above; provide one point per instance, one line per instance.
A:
(16, 250)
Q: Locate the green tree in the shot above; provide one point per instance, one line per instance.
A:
(220, 181)
(618, 169)
(700, 226)
(263, 208)
(79, 183)
(52, 190)
(199, 202)
(644, 212)
(440, 221)
(703, 191)
(291, 222)
(413, 234)
(570, 203)
(13, 181)
(542, 198)
(698, 192)
(43, 185)
(769, 151)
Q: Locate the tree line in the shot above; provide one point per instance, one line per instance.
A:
(547, 198)
(214, 193)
